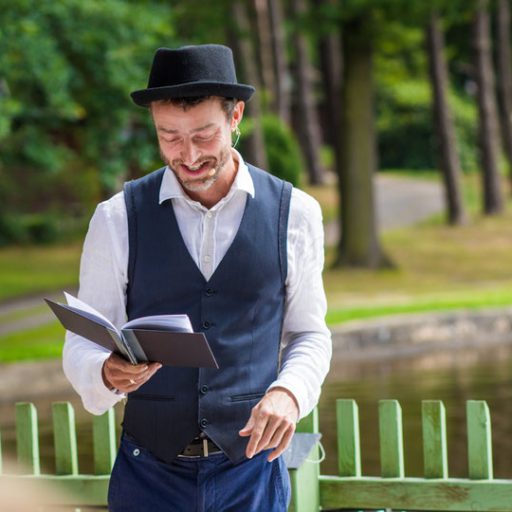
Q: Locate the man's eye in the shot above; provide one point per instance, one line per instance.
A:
(203, 138)
(174, 140)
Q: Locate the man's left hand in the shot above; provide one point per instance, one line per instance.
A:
(272, 423)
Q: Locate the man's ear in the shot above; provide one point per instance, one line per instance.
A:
(238, 113)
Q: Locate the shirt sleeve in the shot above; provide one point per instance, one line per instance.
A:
(102, 285)
(306, 347)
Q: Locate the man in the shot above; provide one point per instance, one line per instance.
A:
(241, 253)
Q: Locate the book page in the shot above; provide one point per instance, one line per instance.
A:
(78, 304)
(174, 323)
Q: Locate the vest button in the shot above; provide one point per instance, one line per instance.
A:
(204, 389)
(206, 324)
(204, 422)
(209, 292)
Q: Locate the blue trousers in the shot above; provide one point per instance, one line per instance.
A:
(140, 482)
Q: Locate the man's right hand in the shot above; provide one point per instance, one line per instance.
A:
(118, 373)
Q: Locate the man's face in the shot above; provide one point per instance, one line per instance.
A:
(196, 143)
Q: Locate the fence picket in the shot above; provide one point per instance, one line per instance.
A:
(27, 437)
(64, 434)
(1, 459)
(479, 440)
(391, 439)
(349, 454)
(310, 490)
(104, 442)
(435, 457)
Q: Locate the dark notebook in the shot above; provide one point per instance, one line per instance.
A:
(167, 339)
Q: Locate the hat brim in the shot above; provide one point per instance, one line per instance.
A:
(144, 97)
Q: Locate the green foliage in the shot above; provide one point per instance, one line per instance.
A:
(35, 228)
(406, 135)
(405, 127)
(66, 70)
(283, 152)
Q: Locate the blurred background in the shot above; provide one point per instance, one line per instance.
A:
(395, 114)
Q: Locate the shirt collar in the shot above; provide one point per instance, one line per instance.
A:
(171, 188)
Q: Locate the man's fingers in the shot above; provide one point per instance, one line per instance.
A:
(247, 430)
(273, 423)
(278, 436)
(126, 377)
(285, 441)
(257, 432)
(270, 421)
(116, 362)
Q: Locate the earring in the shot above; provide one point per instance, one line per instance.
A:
(236, 131)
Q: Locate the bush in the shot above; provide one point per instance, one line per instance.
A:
(406, 132)
(37, 228)
(283, 152)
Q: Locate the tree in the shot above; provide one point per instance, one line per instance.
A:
(449, 160)
(488, 123)
(359, 244)
(307, 124)
(504, 75)
(264, 45)
(281, 102)
(67, 69)
(244, 55)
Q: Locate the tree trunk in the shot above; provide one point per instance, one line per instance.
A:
(488, 124)
(505, 78)
(241, 43)
(443, 122)
(307, 117)
(359, 244)
(281, 102)
(331, 64)
(265, 45)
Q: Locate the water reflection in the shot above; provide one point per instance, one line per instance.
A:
(455, 376)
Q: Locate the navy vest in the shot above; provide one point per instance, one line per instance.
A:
(240, 309)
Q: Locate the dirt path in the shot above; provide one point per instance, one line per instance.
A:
(399, 202)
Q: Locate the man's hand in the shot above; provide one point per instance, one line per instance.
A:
(272, 423)
(124, 376)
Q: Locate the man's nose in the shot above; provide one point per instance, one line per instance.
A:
(189, 152)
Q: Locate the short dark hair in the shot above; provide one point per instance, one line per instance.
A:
(227, 104)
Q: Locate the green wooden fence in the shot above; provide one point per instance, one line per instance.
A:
(311, 491)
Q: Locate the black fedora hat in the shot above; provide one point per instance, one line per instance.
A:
(202, 70)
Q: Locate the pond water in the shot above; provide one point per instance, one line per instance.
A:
(483, 373)
(453, 376)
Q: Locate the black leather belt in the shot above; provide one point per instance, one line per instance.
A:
(200, 446)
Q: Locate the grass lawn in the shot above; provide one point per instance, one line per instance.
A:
(438, 268)
(37, 269)
(38, 343)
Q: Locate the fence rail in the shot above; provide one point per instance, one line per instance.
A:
(311, 491)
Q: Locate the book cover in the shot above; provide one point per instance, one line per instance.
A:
(167, 339)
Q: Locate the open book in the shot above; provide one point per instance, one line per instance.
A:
(167, 339)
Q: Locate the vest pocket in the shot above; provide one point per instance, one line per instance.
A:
(249, 396)
(147, 396)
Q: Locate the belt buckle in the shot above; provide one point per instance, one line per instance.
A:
(204, 446)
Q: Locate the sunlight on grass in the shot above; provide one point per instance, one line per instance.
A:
(29, 270)
(437, 268)
(38, 343)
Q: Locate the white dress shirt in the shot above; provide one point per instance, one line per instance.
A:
(207, 233)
